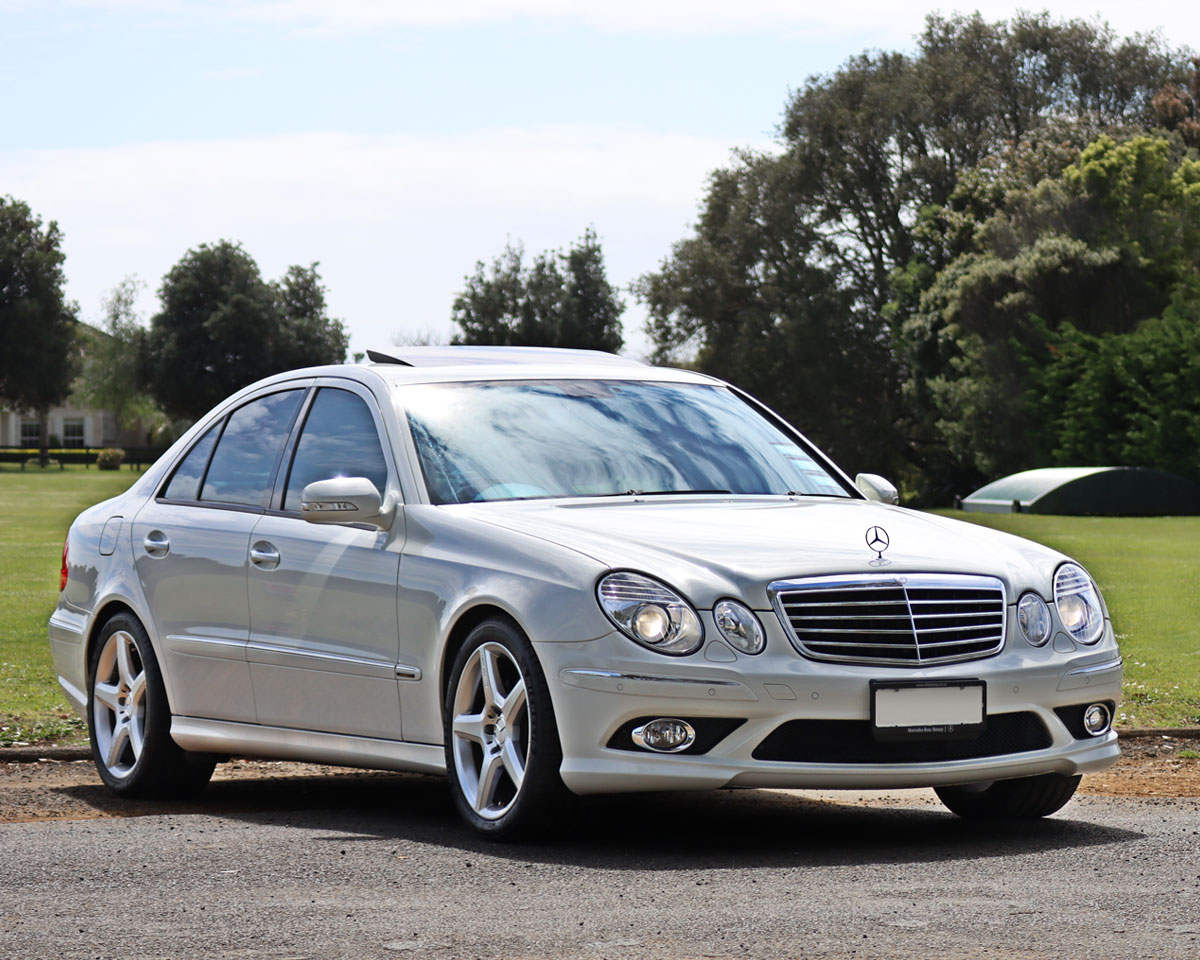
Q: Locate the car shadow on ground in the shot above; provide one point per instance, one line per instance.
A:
(678, 831)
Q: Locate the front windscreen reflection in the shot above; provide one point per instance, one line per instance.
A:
(514, 440)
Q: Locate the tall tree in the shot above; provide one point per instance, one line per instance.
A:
(1064, 273)
(110, 378)
(37, 324)
(222, 326)
(864, 151)
(560, 300)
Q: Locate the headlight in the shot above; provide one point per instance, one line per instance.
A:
(737, 623)
(651, 613)
(1033, 616)
(1078, 603)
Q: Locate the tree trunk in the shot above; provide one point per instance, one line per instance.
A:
(44, 439)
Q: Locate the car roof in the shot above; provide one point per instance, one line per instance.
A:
(434, 364)
(407, 365)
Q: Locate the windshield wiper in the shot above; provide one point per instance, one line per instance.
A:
(661, 493)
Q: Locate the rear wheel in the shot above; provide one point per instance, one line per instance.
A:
(1025, 799)
(130, 720)
(502, 746)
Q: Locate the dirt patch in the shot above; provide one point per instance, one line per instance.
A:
(50, 790)
(1150, 767)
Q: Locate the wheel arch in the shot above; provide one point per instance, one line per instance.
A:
(467, 621)
(106, 612)
(110, 608)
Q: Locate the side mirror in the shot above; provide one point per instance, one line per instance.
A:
(345, 500)
(876, 488)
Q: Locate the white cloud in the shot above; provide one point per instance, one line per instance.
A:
(396, 221)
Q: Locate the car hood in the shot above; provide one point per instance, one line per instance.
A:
(709, 547)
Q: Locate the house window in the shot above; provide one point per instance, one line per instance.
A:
(72, 435)
(31, 433)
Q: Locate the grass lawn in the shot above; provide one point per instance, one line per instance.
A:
(36, 507)
(1148, 569)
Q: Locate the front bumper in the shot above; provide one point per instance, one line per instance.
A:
(599, 685)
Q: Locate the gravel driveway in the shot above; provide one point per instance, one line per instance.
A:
(283, 861)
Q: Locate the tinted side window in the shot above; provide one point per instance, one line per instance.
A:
(339, 440)
(245, 458)
(185, 484)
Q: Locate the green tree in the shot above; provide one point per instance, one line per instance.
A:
(110, 378)
(222, 326)
(864, 151)
(560, 300)
(1063, 271)
(748, 296)
(37, 324)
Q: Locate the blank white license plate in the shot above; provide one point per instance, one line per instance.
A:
(921, 708)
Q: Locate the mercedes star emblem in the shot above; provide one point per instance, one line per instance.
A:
(877, 540)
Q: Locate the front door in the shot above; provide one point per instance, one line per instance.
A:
(324, 636)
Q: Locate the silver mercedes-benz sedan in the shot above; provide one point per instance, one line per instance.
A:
(548, 572)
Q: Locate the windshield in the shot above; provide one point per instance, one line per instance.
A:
(516, 440)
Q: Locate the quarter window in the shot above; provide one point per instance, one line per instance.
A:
(339, 440)
(185, 484)
(245, 458)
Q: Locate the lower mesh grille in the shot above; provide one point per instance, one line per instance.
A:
(852, 741)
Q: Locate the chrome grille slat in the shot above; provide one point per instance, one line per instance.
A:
(913, 620)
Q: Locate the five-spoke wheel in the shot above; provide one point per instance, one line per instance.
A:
(131, 720)
(490, 730)
(502, 749)
(119, 703)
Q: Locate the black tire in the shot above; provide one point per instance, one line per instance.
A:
(143, 761)
(502, 808)
(1025, 799)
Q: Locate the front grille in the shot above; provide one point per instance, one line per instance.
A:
(912, 620)
(853, 741)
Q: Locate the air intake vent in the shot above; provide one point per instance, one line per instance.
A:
(914, 620)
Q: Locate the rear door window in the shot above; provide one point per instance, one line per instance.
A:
(244, 462)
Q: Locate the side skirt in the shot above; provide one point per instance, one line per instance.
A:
(282, 743)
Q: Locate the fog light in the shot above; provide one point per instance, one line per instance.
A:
(1097, 719)
(664, 735)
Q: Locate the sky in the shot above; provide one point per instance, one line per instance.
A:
(397, 143)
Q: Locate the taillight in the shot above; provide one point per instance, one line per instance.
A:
(62, 573)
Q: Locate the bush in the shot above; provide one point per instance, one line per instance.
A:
(110, 458)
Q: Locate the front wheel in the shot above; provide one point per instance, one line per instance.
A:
(130, 720)
(502, 746)
(1025, 799)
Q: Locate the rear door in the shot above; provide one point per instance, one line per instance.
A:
(190, 552)
(324, 634)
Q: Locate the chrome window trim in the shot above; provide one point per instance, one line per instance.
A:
(866, 581)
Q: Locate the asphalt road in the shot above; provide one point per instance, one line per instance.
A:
(379, 868)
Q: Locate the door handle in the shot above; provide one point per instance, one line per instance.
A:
(156, 543)
(264, 555)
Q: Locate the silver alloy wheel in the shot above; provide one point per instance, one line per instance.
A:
(490, 730)
(119, 704)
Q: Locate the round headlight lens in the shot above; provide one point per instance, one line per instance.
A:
(1033, 616)
(739, 626)
(651, 613)
(1078, 603)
